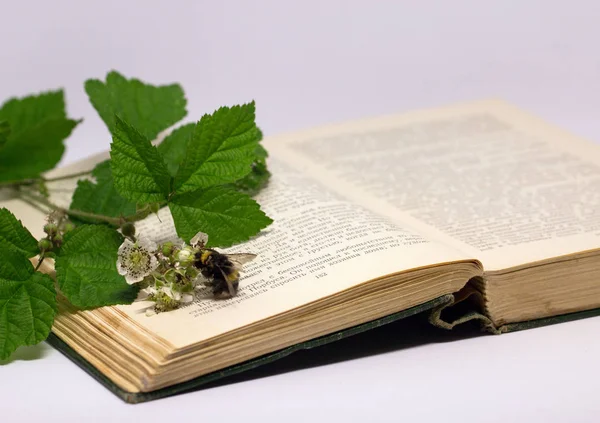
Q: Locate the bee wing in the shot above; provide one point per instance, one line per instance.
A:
(240, 259)
(230, 287)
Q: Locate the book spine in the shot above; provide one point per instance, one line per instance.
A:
(466, 305)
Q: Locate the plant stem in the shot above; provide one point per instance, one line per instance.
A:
(69, 176)
(77, 213)
(35, 200)
(34, 204)
(23, 182)
(41, 260)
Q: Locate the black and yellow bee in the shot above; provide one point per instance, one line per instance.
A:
(222, 271)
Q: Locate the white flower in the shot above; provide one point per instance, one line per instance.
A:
(136, 260)
(184, 255)
(171, 293)
(182, 297)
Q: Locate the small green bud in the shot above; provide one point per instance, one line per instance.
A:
(154, 207)
(58, 238)
(51, 229)
(68, 227)
(167, 249)
(128, 229)
(45, 244)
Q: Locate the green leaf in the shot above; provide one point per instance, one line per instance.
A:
(26, 112)
(227, 216)
(4, 132)
(38, 126)
(173, 147)
(259, 176)
(139, 172)
(27, 302)
(220, 150)
(260, 152)
(14, 234)
(86, 268)
(148, 108)
(100, 197)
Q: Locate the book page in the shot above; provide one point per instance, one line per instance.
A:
(484, 177)
(319, 244)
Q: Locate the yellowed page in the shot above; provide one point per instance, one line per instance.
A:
(484, 177)
(318, 245)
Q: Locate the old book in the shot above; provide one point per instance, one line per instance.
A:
(375, 220)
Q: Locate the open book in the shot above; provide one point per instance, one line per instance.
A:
(374, 220)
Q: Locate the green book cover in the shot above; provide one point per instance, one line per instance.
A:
(427, 308)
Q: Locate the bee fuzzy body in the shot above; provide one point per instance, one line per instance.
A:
(222, 273)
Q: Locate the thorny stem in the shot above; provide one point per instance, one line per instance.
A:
(69, 176)
(26, 182)
(117, 221)
(40, 261)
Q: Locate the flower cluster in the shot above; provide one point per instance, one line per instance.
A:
(166, 272)
(55, 230)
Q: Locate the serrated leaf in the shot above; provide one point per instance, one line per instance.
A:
(27, 302)
(139, 172)
(148, 108)
(220, 150)
(86, 269)
(4, 132)
(260, 152)
(13, 234)
(173, 147)
(227, 216)
(38, 126)
(259, 176)
(100, 197)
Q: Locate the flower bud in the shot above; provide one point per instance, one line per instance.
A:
(128, 229)
(51, 229)
(184, 255)
(167, 248)
(154, 207)
(68, 227)
(45, 244)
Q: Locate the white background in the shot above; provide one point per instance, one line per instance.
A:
(307, 63)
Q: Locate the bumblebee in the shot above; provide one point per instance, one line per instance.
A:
(222, 271)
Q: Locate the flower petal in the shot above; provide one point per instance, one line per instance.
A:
(153, 264)
(120, 268)
(126, 246)
(147, 244)
(135, 278)
(200, 239)
(187, 298)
